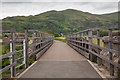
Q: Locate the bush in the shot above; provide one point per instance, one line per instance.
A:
(103, 33)
(56, 35)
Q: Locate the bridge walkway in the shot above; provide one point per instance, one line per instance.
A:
(61, 61)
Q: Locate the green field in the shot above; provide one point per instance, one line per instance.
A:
(63, 39)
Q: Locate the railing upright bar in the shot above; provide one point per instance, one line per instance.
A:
(111, 54)
(90, 47)
(99, 60)
(82, 39)
(26, 49)
(12, 49)
(34, 47)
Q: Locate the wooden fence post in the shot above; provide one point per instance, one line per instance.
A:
(39, 39)
(76, 40)
(37, 35)
(70, 38)
(90, 46)
(26, 49)
(79, 39)
(85, 41)
(34, 47)
(110, 54)
(82, 39)
(99, 60)
(118, 56)
(12, 49)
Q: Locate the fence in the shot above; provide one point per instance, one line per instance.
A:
(83, 42)
(22, 46)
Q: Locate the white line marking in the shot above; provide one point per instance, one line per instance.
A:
(26, 69)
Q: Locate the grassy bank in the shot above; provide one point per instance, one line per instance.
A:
(63, 39)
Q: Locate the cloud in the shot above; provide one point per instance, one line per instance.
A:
(59, 0)
(33, 8)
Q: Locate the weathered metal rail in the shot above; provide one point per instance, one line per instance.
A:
(31, 43)
(82, 42)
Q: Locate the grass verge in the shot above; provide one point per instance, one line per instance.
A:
(60, 39)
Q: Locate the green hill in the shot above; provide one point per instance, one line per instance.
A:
(65, 21)
(113, 16)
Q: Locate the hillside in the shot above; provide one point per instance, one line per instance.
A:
(113, 16)
(65, 21)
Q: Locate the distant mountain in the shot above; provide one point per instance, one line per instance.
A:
(65, 21)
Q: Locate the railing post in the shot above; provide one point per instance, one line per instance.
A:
(99, 60)
(85, 40)
(12, 49)
(82, 39)
(76, 39)
(66, 39)
(34, 47)
(110, 54)
(90, 46)
(79, 40)
(69, 39)
(40, 39)
(26, 49)
(37, 35)
(118, 53)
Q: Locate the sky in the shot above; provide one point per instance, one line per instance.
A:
(10, 8)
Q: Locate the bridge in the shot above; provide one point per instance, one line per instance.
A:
(56, 59)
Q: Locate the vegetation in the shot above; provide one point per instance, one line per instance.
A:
(63, 39)
(103, 33)
(66, 21)
(56, 22)
(4, 49)
(56, 35)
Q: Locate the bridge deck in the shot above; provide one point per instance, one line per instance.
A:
(61, 61)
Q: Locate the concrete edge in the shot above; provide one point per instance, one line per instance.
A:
(26, 69)
(96, 69)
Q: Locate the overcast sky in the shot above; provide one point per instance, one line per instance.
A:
(33, 7)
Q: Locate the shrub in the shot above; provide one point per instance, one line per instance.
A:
(103, 33)
(56, 35)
